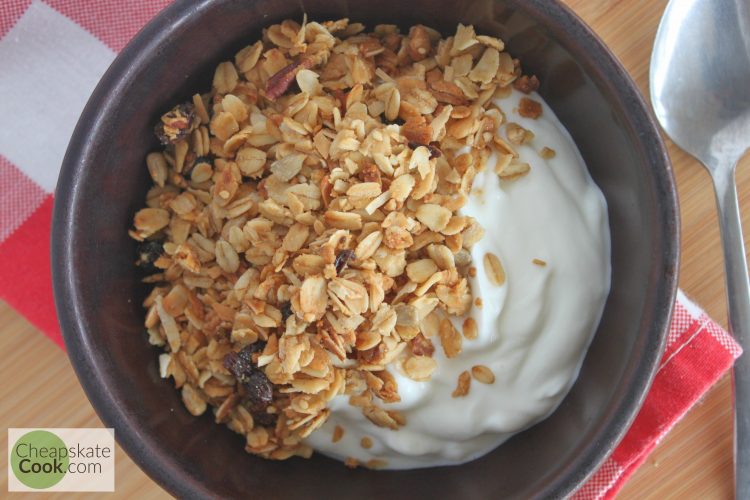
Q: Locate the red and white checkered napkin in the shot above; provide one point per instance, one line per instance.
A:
(53, 52)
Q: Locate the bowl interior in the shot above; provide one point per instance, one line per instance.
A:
(98, 295)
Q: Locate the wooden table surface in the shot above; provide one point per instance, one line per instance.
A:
(694, 460)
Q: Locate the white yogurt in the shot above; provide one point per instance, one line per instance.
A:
(533, 331)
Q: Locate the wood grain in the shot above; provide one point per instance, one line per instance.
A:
(693, 461)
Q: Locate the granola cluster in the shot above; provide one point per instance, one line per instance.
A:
(304, 233)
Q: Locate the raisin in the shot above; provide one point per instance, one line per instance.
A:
(203, 159)
(176, 124)
(398, 121)
(148, 252)
(259, 391)
(264, 418)
(286, 311)
(342, 259)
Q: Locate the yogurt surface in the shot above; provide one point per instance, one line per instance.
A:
(533, 331)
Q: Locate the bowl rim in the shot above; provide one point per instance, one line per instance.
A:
(155, 461)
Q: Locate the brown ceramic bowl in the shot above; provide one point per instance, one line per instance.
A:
(104, 180)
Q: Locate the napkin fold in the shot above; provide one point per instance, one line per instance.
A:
(52, 54)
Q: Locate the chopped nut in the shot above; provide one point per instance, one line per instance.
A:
(529, 108)
(526, 84)
(279, 83)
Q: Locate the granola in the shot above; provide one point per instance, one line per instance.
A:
(303, 232)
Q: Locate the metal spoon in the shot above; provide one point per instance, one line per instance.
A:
(700, 90)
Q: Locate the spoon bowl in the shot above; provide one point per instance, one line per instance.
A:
(700, 71)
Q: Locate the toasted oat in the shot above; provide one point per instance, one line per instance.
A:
(419, 368)
(483, 374)
(338, 433)
(513, 170)
(470, 329)
(547, 153)
(309, 235)
(464, 383)
(517, 134)
(450, 338)
(493, 268)
(539, 262)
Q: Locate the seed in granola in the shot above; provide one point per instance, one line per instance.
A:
(342, 259)
(338, 433)
(464, 383)
(493, 268)
(351, 462)
(539, 262)
(366, 442)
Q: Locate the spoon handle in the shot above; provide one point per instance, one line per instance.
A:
(738, 297)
